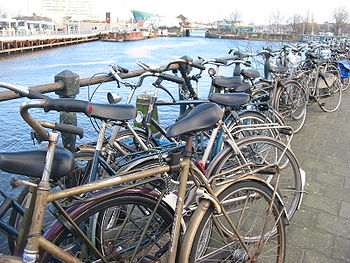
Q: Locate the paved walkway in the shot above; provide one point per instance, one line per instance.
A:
(320, 230)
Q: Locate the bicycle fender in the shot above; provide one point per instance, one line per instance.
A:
(220, 189)
(76, 210)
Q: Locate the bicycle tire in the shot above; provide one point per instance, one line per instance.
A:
(111, 212)
(247, 204)
(291, 102)
(127, 141)
(329, 89)
(14, 217)
(345, 83)
(263, 151)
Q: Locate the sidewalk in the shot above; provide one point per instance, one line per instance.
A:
(320, 230)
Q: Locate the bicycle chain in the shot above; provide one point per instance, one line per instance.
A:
(165, 176)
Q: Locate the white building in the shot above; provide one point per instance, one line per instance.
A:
(75, 9)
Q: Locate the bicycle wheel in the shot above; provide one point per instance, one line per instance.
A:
(329, 89)
(128, 143)
(291, 101)
(264, 151)
(115, 226)
(345, 83)
(247, 204)
(15, 217)
(81, 173)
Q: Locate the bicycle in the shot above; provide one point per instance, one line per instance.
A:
(322, 83)
(77, 176)
(244, 81)
(248, 123)
(223, 150)
(205, 115)
(109, 158)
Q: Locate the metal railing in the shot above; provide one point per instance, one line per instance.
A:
(14, 34)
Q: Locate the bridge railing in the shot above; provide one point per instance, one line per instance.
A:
(26, 33)
(67, 85)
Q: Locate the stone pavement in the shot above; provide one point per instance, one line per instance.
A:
(320, 231)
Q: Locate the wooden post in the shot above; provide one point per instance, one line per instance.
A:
(70, 90)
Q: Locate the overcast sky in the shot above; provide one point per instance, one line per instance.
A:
(252, 11)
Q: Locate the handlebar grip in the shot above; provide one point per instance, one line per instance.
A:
(36, 95)
(120, 69)
(67, 105)
(196, 65)
(69, 129)
(221, 60)
(172, 78)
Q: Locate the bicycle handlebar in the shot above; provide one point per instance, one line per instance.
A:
(44, 134)
(190, 63)
(168, 66)
(69, 129)
(214, 61)
(64, 128)
(268, 52)
(152, 72)
(67, 105)
(38, 126)
(172, 78)
(239, 61)
(225, 61)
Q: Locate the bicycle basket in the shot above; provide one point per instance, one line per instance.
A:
(344, 66)
(326, 81)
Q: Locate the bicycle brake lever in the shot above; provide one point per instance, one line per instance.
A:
(15, 183)
(35, 137)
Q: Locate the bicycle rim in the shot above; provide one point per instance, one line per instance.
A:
(345, 83)
(247, 204)
(264, 151)
(329, 90)
(291, 102)
(252, 119)
(115, 226)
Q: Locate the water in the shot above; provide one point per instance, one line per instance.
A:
(87, 59)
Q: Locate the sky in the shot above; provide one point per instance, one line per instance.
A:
(252, 11)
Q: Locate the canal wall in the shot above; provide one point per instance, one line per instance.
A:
(10, 45)
(262, 36)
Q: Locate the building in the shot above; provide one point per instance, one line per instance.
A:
(71, 9)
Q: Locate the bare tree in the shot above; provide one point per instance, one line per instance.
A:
(296, 23)
(341, 17)
(309, 23)
(276, 20)
(236, 17)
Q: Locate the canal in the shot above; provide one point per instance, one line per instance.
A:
(92, 58)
